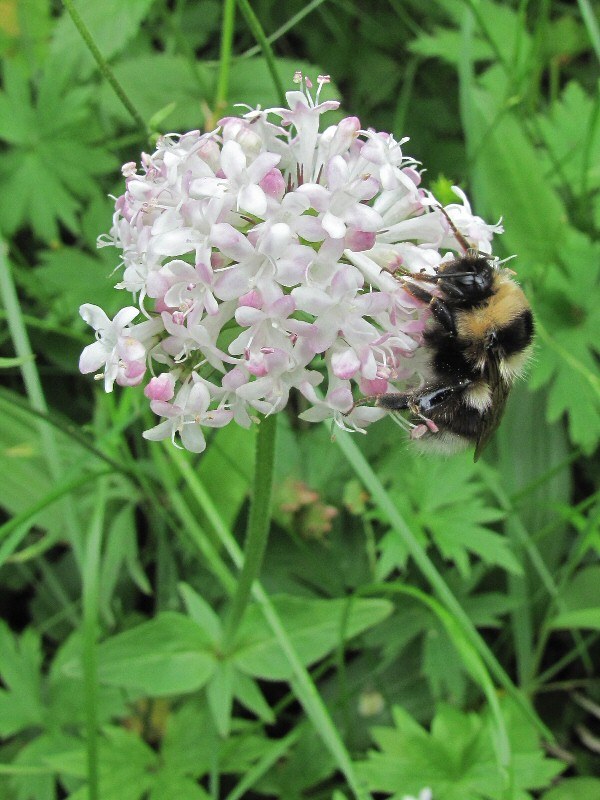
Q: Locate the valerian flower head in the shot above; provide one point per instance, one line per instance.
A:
(261, 257)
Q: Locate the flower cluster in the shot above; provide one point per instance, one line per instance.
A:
(261, 257)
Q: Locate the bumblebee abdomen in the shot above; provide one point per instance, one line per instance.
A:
(449, 357)
(507, 310)
(517, 334)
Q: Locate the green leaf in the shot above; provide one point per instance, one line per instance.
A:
(54, 152)
(156, 82)
(24, 472)
(111, 24)
(575, 789)
(126, 766)
(21, 704)
(36, 779)
(508, 172)
(571, 131)
(68, 277)
(456, 758)
(316, 627)
(570, 319)
(447, 44)
(581, 618)
(191, 742)
(582, 587)
(428, 497)
(200, 611)
(121, 551)
(169, 785)
(219, 692)
(306, 764)
(66, 708)
(251, 81)
(250, 696)
(168, 655)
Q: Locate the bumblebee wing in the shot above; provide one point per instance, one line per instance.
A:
(493, 415)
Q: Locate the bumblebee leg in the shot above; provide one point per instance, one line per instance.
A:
(426, 401)
(391, 401)
(421, 401)
(439, 309)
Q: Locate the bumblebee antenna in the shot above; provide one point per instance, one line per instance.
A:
(466, 246)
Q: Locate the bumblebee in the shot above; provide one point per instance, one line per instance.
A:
(478, 341)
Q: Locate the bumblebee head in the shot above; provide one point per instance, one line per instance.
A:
(467, 281)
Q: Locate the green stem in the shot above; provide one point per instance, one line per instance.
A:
(103, 66)
(227, 30)
(90, 597)
(258, 525)
(261, 38)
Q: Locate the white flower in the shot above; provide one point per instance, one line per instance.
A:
(186, 415)
(262, 256)
(115, 348)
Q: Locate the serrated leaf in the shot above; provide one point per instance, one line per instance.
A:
(37, 780)
(126, 766)
(154, 82)
(54, 151)
(509, 172)
(571, 131)
(456, 759)
(428, 497)
(191, 742)
(570, 319)
(21, 704)
(315, 628)
(111, 25)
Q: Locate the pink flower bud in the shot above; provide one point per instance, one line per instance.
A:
(359, 241)
(132, 373)
(252, 299)
(273, 184)
(161, 388)
(375, 386)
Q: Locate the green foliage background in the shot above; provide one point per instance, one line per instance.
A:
(418, 622)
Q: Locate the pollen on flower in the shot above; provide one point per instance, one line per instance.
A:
(261, 258)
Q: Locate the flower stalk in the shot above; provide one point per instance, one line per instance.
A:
(258, 525)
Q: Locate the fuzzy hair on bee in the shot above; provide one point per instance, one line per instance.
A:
(478, 341)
